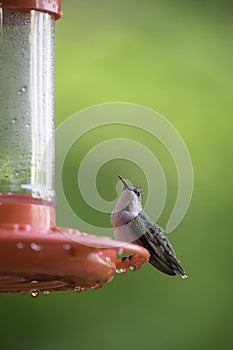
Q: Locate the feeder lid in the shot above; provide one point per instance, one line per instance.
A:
(51, 6)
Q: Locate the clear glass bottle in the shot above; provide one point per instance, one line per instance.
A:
(26, 105)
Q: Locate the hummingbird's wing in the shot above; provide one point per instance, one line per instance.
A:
(154, 239)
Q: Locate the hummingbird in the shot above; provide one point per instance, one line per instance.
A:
(132, 224)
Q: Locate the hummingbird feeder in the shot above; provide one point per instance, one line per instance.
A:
(36, 256)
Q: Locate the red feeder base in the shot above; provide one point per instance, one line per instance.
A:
(38, 257)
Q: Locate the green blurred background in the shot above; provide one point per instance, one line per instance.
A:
(175, 57)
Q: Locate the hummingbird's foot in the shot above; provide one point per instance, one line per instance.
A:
(128, 262)
(126, 258)
(132, 262)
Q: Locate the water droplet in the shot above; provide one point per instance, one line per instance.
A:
(120, 251)
(35, 247)
(133, 267)
(27, 125)
(46, 292)
(17, 174)
(97, 286)
(80, 289)
(34, 293)
(23, 89)
(19, 245)
(34, 282)
(122, 270)
(67, 246)
(14, 120)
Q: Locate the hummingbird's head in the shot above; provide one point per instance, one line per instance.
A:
(130, 199)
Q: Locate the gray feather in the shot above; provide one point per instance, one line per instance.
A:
(154, 239)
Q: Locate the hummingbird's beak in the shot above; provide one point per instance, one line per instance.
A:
(124, 182)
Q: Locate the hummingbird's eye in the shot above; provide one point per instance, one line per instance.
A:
(138, 193)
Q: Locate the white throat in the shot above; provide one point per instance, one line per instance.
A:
(128, 201)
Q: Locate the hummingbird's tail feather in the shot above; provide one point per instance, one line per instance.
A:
(179, 271)
(161, 267)
(164, 261)
(154, 239)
